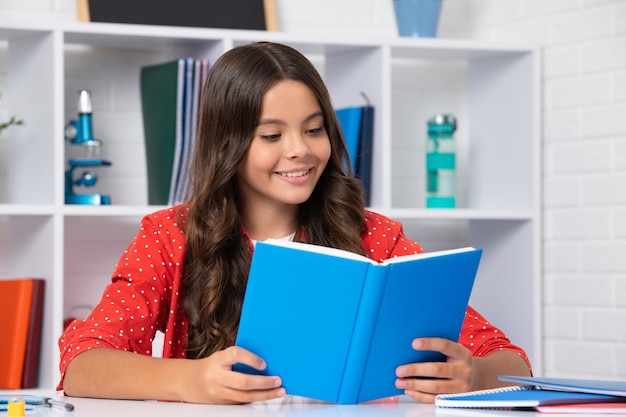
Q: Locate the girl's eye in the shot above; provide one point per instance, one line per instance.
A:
(316, 131)
(272, 138)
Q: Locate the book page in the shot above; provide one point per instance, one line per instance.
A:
(320, 249)
(350, 255)
(425, 255)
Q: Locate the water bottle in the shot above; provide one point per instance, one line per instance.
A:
(441, 162)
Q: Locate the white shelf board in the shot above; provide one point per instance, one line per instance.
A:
(455, 214)
(153, 36)
(28, 209)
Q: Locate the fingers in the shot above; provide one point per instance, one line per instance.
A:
(424, 370)
(236, 354)
(425, 389)
(421, 397)
(425, 384)
(247, 382)
(447, 347)
(249, 388)
(423, 381)
(226, 396)
(243, 381)
(453, 351)
(219, 384)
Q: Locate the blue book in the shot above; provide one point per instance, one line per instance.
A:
(519, 397)
(364, 155)
(183, 124)
(335, 325)
(357, 124)
(350, 121)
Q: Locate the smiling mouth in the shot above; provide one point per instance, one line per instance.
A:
(294, 174)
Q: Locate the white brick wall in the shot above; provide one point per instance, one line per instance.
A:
(584, 44)
(584, 133)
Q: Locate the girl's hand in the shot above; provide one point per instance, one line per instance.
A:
(457, 374)
(212, 380)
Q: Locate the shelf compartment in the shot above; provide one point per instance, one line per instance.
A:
(32, 94)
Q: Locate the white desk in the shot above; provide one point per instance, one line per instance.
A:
(287, 407)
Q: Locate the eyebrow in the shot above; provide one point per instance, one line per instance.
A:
(282, 122)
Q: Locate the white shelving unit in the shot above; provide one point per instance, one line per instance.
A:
(493, 90)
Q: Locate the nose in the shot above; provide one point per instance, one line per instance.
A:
(296, 146)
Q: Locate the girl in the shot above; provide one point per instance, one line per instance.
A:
(269, 163)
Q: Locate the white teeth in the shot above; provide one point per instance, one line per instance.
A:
(294, 174)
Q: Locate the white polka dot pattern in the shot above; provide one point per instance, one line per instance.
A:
(145, 294)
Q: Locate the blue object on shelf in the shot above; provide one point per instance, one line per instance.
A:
(417, 17)
(87, 179)
(79, 132)
(441, 162)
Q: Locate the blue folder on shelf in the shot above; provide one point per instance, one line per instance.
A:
(357, 124)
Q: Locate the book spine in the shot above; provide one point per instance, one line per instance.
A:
(15, 298)
(350, 121)
(365, 323)
(180, 129)
(364, 156)
(183, 189)
(33, 341)
(158, 89)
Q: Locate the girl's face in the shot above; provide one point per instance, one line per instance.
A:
(289, 150)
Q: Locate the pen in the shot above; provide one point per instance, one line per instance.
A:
(52, 403)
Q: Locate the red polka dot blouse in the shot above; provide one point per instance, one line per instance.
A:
(145, 294)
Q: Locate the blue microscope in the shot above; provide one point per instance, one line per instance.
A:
(79, 132)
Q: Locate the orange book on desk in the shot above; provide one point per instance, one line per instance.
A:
(21, 311)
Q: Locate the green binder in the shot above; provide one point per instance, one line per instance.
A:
(160, 104)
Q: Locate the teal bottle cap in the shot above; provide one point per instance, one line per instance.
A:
(442, 123)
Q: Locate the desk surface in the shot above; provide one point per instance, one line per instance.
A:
(287, 407)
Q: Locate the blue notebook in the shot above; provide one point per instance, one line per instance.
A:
(519, 397)
(593, 386)
(335, 325)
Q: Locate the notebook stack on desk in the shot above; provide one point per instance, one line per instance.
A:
(546, 395)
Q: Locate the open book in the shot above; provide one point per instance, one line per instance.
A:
(335, 325)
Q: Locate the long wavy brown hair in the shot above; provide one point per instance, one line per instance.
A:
(218, 253)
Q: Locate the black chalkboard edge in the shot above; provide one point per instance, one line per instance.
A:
(271, 20)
